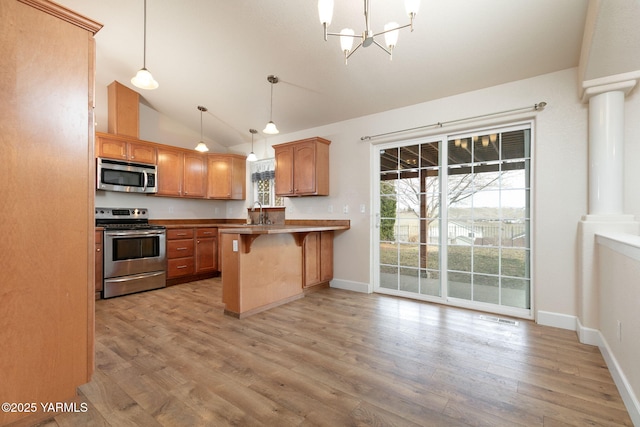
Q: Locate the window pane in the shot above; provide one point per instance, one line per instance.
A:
(409, 255)
(430, 283)
(459, 285)
(514, 262)
(389, 276)
(459, 151)
(486, 260)
(389, 159)
(486, 148)
(515, 233)
(409, 157)
(486, 288)
(515, 292)
(409, 279)
(389, 253)
(429, 154)
(459, 258)
(430, 257)
(515, 144)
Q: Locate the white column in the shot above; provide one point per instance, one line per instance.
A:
(606, 190)
(606, 151)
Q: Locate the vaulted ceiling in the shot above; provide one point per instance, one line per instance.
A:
(218, 53)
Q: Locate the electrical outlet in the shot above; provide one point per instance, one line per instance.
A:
(363, 208)
(330, 209)
(345, 209)
(235, 246)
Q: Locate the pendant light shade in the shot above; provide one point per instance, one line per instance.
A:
(271, 128)
(252, 157)
(201, 147)
(143, 78)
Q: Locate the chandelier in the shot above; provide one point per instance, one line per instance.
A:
(367, 38)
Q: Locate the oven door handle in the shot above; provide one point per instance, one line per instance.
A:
(137, 276)
(134, 233)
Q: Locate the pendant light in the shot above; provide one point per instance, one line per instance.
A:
(201, 147)
(143, 78)
(252, 157)
(271, 128)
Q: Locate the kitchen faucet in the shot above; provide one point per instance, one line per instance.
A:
(253, 209)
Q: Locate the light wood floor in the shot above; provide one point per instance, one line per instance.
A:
(335, 358)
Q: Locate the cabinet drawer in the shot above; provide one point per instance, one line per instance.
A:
(207, 232)
(180, 233)
(179, 248)
(180, 267)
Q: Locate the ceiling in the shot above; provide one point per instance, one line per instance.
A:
(218, 53)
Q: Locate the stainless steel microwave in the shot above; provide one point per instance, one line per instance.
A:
(115, 175)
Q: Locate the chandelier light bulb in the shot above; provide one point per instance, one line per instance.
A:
(493, 138)
(391, 36)
(325, 11)
(412, 7)
(485, 141)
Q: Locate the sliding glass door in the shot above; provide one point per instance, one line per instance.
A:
(453, 218)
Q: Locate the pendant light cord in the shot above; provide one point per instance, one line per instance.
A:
(144, 42)
(271, 111)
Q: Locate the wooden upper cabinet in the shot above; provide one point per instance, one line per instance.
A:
(227, 177)
(125, 149)
(195, 175)
(181, 173)
(124, 110)
(302, 167)
(170, 172)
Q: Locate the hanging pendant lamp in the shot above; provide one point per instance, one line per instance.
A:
(252, 156)
(271, 128)
(143, 78)
(201, 147)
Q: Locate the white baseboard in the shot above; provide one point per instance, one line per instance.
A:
(556, 320)
(588, 335)
(350, 285)
(624, 388)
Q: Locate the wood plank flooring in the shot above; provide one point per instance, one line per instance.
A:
(334, 358)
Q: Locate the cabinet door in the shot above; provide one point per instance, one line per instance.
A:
(206, 250)
(111, 148)
(170, 172)
(141, 153)
(219, 177)
(238, 178)
(304, 168)
(284, 171)
(195, 175)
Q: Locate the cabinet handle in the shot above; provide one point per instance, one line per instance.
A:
(198, 241)
(181, 266)
(207, 232)
(181, 234)
(181, 249)
(97, 249)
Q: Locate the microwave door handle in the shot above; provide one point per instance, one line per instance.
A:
(146, 181)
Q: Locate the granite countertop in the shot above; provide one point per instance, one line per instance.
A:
(278, 229)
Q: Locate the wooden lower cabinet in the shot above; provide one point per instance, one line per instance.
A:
(180, 252)
(206, 250)
(99, 263)
(317, 259)
(192, 254)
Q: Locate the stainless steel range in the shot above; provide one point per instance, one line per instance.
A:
(134, 251)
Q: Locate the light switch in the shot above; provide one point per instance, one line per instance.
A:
(235, 246)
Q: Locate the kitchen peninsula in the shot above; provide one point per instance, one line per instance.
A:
(268, 265)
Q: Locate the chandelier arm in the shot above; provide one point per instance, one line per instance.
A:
(392, 29)
(359, 36)
(353, 51)
(382, 47)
